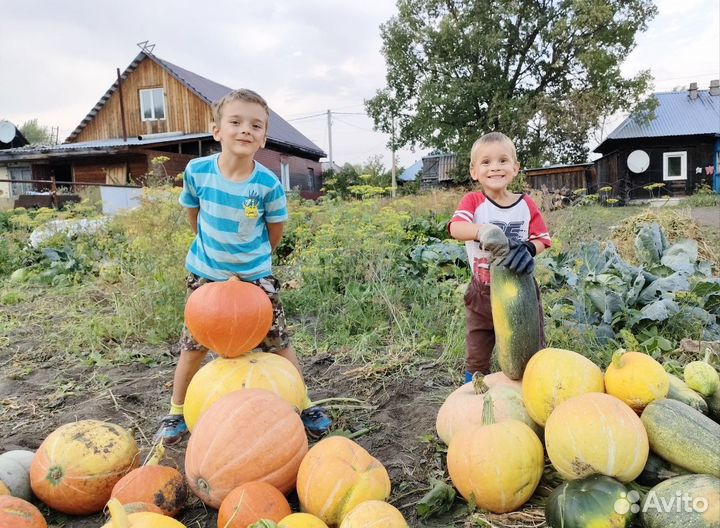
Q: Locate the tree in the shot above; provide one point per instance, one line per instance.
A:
(36, 134)
(545, 72)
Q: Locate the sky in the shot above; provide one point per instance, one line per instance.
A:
(58, 58)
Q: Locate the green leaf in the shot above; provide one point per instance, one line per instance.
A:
(438, 500)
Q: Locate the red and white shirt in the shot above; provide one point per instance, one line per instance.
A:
(521, 220)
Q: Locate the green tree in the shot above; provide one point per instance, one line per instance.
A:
(545, 72)
(36, 134)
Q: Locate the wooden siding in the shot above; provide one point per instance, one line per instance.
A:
(558, 178)
(185, 111)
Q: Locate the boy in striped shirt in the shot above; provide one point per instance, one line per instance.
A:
(237, 209)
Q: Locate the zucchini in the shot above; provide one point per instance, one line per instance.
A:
(681, 392)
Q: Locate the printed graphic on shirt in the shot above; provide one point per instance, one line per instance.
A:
(250, 205)
(513, 230)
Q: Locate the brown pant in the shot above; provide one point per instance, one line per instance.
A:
(480, 338)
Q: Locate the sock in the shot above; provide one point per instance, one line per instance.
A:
(176, 409)
(468, 376)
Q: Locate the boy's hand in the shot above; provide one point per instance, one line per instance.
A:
(520, 257)
(492, 239)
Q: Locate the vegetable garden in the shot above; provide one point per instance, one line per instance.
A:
(373, 291)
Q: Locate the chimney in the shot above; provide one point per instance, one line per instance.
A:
(715, 87)
(693, 90)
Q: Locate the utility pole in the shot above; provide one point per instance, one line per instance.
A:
(394, 169)
(329, 123)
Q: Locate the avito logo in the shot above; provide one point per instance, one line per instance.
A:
(679, 503)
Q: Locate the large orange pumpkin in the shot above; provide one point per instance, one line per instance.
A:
(162, 486)
(336, 475)
(230, 317)
(77, 465)
(596, 433)
(247, 435)
(496, 465)
(256, 370)
(250, 502)
(18, 513)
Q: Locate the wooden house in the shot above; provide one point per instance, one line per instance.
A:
(154, 109)
(562, 177)
(437, 168)
(676, 151)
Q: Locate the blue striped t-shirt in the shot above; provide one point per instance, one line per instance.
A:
(232, 234)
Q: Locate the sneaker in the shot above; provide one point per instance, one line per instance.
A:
(172, 429)
(316, 421)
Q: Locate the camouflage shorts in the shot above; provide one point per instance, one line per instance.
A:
(276, 339)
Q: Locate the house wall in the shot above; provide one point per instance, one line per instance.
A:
(612, 168)
(6, 201)
(555, 179)
(298, 169)
(185, 111)
(138, 165)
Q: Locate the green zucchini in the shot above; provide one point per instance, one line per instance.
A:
(681, 392)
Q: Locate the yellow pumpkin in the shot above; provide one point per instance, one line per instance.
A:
(336, 475)
(374, 513)
(596, 433)
(256, 370)
(121, 519)
(496, 465)
(301, 520)
(554, 375)
(464, 408)
(636, 378)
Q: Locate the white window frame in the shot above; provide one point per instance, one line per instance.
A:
(285, 175)
(683, 165)
(153, 95)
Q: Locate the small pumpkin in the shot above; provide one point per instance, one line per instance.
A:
(596, 433)
(23, 456)
(554, 375)
(162, 486)
(301, 520)
(119, 518)
(687, 501)
(252, 502)
(256, 370)
(700, 376)
(636, 378)
(374, 513)
(77, 465)
(15, 477)
(591, 501)
(18, 513)
(230, 317)
(336, 475)
(496, 465)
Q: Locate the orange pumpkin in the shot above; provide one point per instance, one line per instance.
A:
(374, 513)
(247, 435)
(139, 507)
(636, 378)
(250, 502)
(77, 465)
(162, 486)
(496, 378)
(230, 318)
(19, 513)
(336, 475)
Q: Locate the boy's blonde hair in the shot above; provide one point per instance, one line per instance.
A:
(242, 94)
(492, 137)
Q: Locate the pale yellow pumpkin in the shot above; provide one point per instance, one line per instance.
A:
(256, 370)
(336, 475)
(496, 465)
(464, 408)
(301, 520)
(119, 518)
(374, 514)
(596, 433)
(554, 375)
(636, 378)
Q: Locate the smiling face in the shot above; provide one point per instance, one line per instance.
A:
(494, 165)
(242, 129)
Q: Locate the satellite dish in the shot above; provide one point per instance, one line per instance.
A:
(7, 131)
(638, 161)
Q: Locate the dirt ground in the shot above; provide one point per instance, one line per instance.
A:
(709, 216)
(397, 416)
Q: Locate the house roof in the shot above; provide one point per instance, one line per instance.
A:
(676, 115)
(410, 174)
(279, 130)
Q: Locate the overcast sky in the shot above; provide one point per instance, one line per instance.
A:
(58, 58)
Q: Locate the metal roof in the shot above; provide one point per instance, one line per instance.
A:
(676, 115)
(279, 130)
(411, 173)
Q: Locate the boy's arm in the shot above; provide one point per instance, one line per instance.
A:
(275, 232)
(192, 213)
(464, 230)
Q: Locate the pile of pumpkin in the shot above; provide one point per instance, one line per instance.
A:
(247, 451)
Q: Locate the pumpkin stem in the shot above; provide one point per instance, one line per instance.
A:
(118, 515)
(488, 415)
(479, 383)
(617, 358)
(156, 454)
(708, 353)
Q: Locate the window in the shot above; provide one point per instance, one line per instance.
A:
(311, 179)
(152, 104)
(285, 175)
(675, 166)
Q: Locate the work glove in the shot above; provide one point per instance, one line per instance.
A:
(520, 256)
(492, 239)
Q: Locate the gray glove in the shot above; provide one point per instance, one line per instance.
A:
(492, 239)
